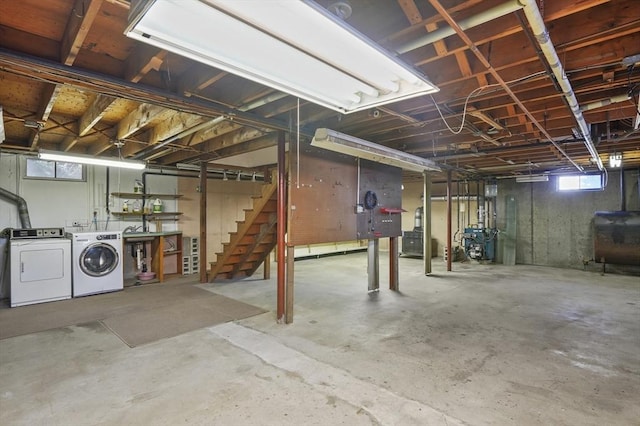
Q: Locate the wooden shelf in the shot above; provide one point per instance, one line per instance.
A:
(141, 195)
(146, 214)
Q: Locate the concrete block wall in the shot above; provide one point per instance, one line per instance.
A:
(555, 228)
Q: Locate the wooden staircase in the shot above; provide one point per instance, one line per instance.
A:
(253, 240)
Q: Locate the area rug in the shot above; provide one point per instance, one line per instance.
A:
(138, 315)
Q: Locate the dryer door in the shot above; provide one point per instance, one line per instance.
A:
(98, 260)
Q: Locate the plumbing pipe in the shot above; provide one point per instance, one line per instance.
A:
(605, 102)
(536, 22)
(444, 32)
(23, 211)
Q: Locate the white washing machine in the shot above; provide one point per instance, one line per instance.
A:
(97, 262)
(40, 270)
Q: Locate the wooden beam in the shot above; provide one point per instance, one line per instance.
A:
(138, 118)
(98, 148)
(197, 79)
(177, 123)
(47, 100)
(94, 113)
(68, 143)
(213, 149)
(143, 59)
(80, 20)
(415, 17)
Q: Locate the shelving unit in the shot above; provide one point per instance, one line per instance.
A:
(191, 255)
(151, 216)
(140, 195)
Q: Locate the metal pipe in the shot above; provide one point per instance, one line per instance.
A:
(536, 22)
(465, 24)
(21, 204)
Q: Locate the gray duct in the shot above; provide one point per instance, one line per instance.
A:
(20, 202)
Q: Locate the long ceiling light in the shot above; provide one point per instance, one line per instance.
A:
(532, 178)
(346, 144)
(296, 47)
(86, 159)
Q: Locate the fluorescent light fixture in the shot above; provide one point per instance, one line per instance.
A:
(296, 47)
(346, 144)
(615, 159)
(532, 178)
(86, 159)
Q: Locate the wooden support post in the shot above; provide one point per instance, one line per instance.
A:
(373, 264)
(449, 248)
(281, 228)
(203, 222)
(426, 223)
(394, 283)
(288, 317)
(266, 267)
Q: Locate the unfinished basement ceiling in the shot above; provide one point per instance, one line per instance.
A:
(66, 67)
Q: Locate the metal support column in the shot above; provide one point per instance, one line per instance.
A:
(449, 248)
(281, 225)
(394, 283)
(288, 316)
(426, 222)
(203, 222)
(373, 264)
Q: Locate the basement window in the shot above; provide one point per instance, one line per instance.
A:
(580, 182)
(54, 170)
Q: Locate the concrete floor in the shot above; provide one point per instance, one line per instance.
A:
(485, 344)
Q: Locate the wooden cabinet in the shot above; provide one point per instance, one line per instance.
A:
(164, 249)
(166, 252)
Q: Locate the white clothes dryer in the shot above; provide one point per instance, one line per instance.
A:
(97, 262)
(40, 270)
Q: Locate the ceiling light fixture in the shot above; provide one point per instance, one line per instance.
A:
(532, 178)
(615, 160)
(86, 159)
(296, 47)
(347, 144)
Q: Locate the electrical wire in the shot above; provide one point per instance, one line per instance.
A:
(464, 111)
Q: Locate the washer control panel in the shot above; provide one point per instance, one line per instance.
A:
(103, 237)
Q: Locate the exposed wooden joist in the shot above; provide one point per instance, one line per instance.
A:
(47, 100)
(197, 79)
(139, 118)
(68, 143)
(94, 113)
(175, 124)
(80, 20)
(239, 137)
(143, 59)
